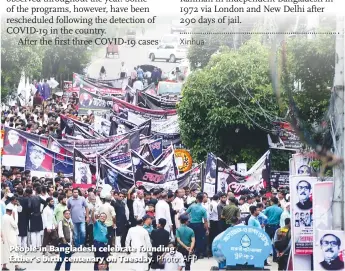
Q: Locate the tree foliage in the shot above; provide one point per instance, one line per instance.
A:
(311, 65)
(229, 105)
(39, 62)
(16, 59)
(219, 111)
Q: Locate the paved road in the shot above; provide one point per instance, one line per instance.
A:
(132, 56)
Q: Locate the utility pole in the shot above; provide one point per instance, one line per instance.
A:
(338, 172)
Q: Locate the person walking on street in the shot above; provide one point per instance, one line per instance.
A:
(160, 238)
(198, 222)
(220, 207)
(282, 243)
(139, 206)
(185, 240)
(253, 220)
(121, 220)
(65, 233)
(79, 210)
(214, 220)
(50, 235)
(163, 211)
(230, 211)
(102, 73)
(273, 214)
(123, 71)
(9, 237)
(138, 239)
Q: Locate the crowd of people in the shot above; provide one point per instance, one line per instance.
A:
(45, 213)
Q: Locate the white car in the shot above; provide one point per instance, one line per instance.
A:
(169, 52)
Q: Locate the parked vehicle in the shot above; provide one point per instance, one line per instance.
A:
(169, 52)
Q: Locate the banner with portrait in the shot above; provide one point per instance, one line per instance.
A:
(43, 162)
(191, 178)
(183, 159)
(209, 181)
(155, 175)
(329, 250)
(224, 176)
(301, 192)
(102, 126)
(322, 208)
(14, 146)
(283, 137)
(156, 147)
(302, 164)
(72, 127)
(56, 147)
(84, 169)
(118, 178)
(120, 126)
(90, 103)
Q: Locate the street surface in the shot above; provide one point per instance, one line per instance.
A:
(132, 56)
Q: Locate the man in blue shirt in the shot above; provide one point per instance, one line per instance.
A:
(273, 214)
(198, 223)
(261, 217)
(100, 238)
(253, 220)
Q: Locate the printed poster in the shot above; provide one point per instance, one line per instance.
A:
(301, 191)
(329, 250)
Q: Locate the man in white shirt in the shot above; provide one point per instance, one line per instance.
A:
(139, 206)
(281, 198)
(138, 238)
(178, 206)
(123, 70)
(214, 219)
(163, 211)
(50, 235)
(192, 197)
(138, 85)
(206, 204)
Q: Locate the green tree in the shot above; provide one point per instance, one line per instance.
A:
(311, 69)
(16, 59)
(229, 105)
(219, 111)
